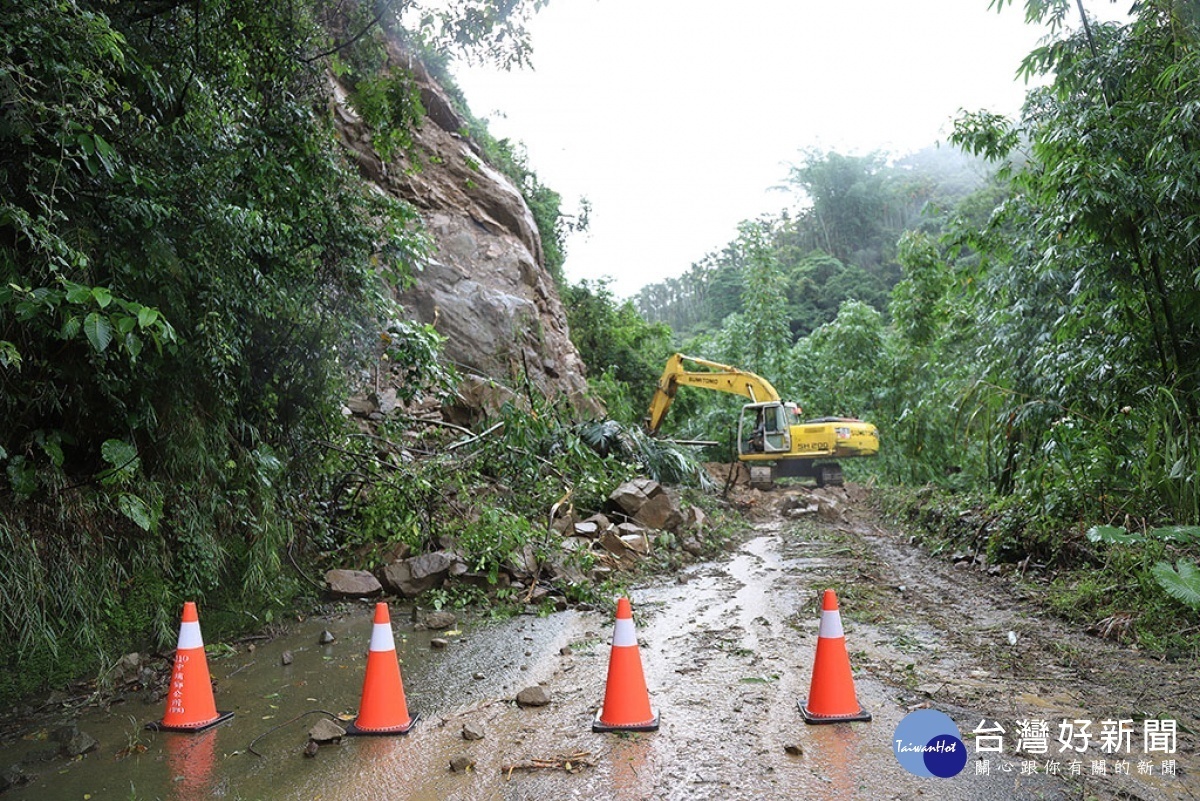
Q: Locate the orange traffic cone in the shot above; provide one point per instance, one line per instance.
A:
(626, 701)
(831, 697)
(383, 709)
(190, 704)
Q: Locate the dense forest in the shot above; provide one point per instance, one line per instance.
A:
(193, 272)
(839, 244)
(190, 269)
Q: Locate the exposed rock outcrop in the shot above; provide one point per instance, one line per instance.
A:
(485, 287)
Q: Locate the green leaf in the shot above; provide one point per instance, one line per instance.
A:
(54, 450)
(1183, 534)
(106, 152)
(118, 453)
(21, 476)
(146, 316)
(102, 295)
(78, 294)
(9, 355)
(136, 510)
(1113, 535)
(98, 330)
(70, 327)
(1182, 582)
(133, 344)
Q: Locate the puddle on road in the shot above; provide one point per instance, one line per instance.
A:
(264, 694)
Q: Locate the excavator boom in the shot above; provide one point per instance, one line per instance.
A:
(771, 439)
(720, 377)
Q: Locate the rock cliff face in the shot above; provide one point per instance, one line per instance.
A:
(484, 288)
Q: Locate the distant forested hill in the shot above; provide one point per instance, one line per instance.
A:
(840, 245)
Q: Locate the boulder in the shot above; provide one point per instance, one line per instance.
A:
(440, 620)
(829, 509)
(660, 511)
(16, 775)
(462, 764)
(564, 523)
(612, 542)
(128, 669)
(722, 473)
(694, 518)
(562, 569)
(588, 529)
(593, 527)
(72, 741)
(477, 399)
(352, 583)
(631, 496)
(525, 564)
(573, 544)
(412, 576)
(635, 539)
(385, 400)
(361, 406)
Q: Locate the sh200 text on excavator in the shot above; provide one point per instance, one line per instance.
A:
(771, 437)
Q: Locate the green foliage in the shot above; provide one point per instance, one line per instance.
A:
(1087, 309)
(488, 497)
(1119, 535)
(839, 364)
(659, 460)
(478, 31)
(489, 542)
(624, 354)
(839, 245)
(767, 335)
(1181, 582)
(390, 103)
(190, 268)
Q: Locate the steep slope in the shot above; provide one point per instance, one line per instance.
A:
(485, 287)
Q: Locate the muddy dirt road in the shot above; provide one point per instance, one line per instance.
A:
(727, 648)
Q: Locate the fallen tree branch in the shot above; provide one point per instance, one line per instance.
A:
(571, 763)
(476, 437)
(432, 422)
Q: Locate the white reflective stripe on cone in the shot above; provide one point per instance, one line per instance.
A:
(831, 624)
(189, 636)
(381, 638)
(624, 633)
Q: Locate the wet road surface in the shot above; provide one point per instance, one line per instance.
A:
(727, 649)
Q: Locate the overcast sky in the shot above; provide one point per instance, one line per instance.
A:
(674, 118)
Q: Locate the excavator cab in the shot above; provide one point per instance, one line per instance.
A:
(772, 438)
(765, 428)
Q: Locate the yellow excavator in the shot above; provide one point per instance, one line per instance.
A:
(771, 437)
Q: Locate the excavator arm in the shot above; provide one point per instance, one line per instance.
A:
(720, 377)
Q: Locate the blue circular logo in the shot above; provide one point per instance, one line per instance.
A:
(928, 743)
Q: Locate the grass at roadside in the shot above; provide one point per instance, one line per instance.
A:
(1106, 588)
